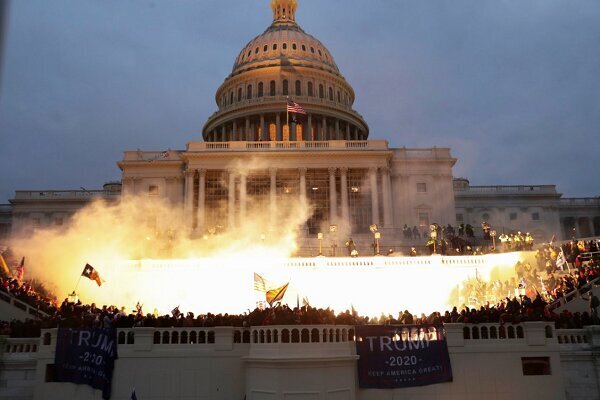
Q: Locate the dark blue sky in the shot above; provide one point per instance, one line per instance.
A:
(511, 86)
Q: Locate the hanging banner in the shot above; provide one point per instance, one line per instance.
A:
(86, 356)
(402, 356)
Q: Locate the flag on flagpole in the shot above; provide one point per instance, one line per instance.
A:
(305, 302)
(295, 108)
(561, 261)
(3, 265)
(260, 283)
(90, 273)
(276, 294)
(21, 270)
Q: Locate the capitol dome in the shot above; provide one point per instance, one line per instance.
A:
(284, 63)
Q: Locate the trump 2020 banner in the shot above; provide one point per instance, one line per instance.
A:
(86, 356)
(401, 356)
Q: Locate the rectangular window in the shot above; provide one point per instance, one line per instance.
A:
(423, 219)
(513, 216)
(459, 218)
(421, 187)
(535, 216)
(153, 190)
(50, 375)
(536, 365)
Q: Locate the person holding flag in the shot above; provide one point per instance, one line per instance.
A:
(21, 270)
(294, 109)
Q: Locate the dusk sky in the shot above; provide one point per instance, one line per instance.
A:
(512, 87)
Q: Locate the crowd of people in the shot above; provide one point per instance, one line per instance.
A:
(529, 295)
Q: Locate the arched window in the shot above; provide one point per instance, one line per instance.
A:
(231, 97)
(266, 47)
(310, 89)
(249, 92)
(339, 97)
(298, 88)
(331, 94)
(239, 97)
(303, 48)
(321, 93)
(294, 47)
(285, 87)
(274, 46)
(312, 50)
(272, 88)
(261, 89)
(256, 51)
(284, 46)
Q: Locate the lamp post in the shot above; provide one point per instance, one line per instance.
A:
(320, 237)
(433, 235)
(332, 231)
(493, 235)
(373, 229)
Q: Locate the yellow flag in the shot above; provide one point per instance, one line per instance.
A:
(277, 294)
(3, 265)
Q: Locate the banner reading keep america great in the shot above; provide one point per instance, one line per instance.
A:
(402, 356)
(86, 356)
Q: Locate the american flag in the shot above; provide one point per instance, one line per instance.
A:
(295, 108)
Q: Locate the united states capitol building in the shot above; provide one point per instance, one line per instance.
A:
(252, 155)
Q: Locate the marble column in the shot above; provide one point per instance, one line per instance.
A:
(247, 133)
(387, 198)
(201, 199)
(272, 195)
(231, 200)
(307, 133)
(374, 195)
(279, 131)
(355, 134)
(234, 132)
(243, 197)
(264, 136)
(292, 131)
(302, 189)
(337, 129)
(223, 133)
(189, 197)
(347, 136)
(332, 197)
(344, 193)
(323, 135)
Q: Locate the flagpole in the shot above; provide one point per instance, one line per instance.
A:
(287, 115)
(78, 280)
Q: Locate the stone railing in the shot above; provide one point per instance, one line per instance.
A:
(327, 145)
(62, 194)
(302, 334)
(435, 152)
(517, 189)
(10, 299)
(579, 201)
(572, 337)
(21, 345)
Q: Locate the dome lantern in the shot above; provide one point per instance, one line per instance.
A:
(284, 10)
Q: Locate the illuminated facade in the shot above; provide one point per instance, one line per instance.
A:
(255, 155)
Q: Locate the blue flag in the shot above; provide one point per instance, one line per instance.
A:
(86, 356)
